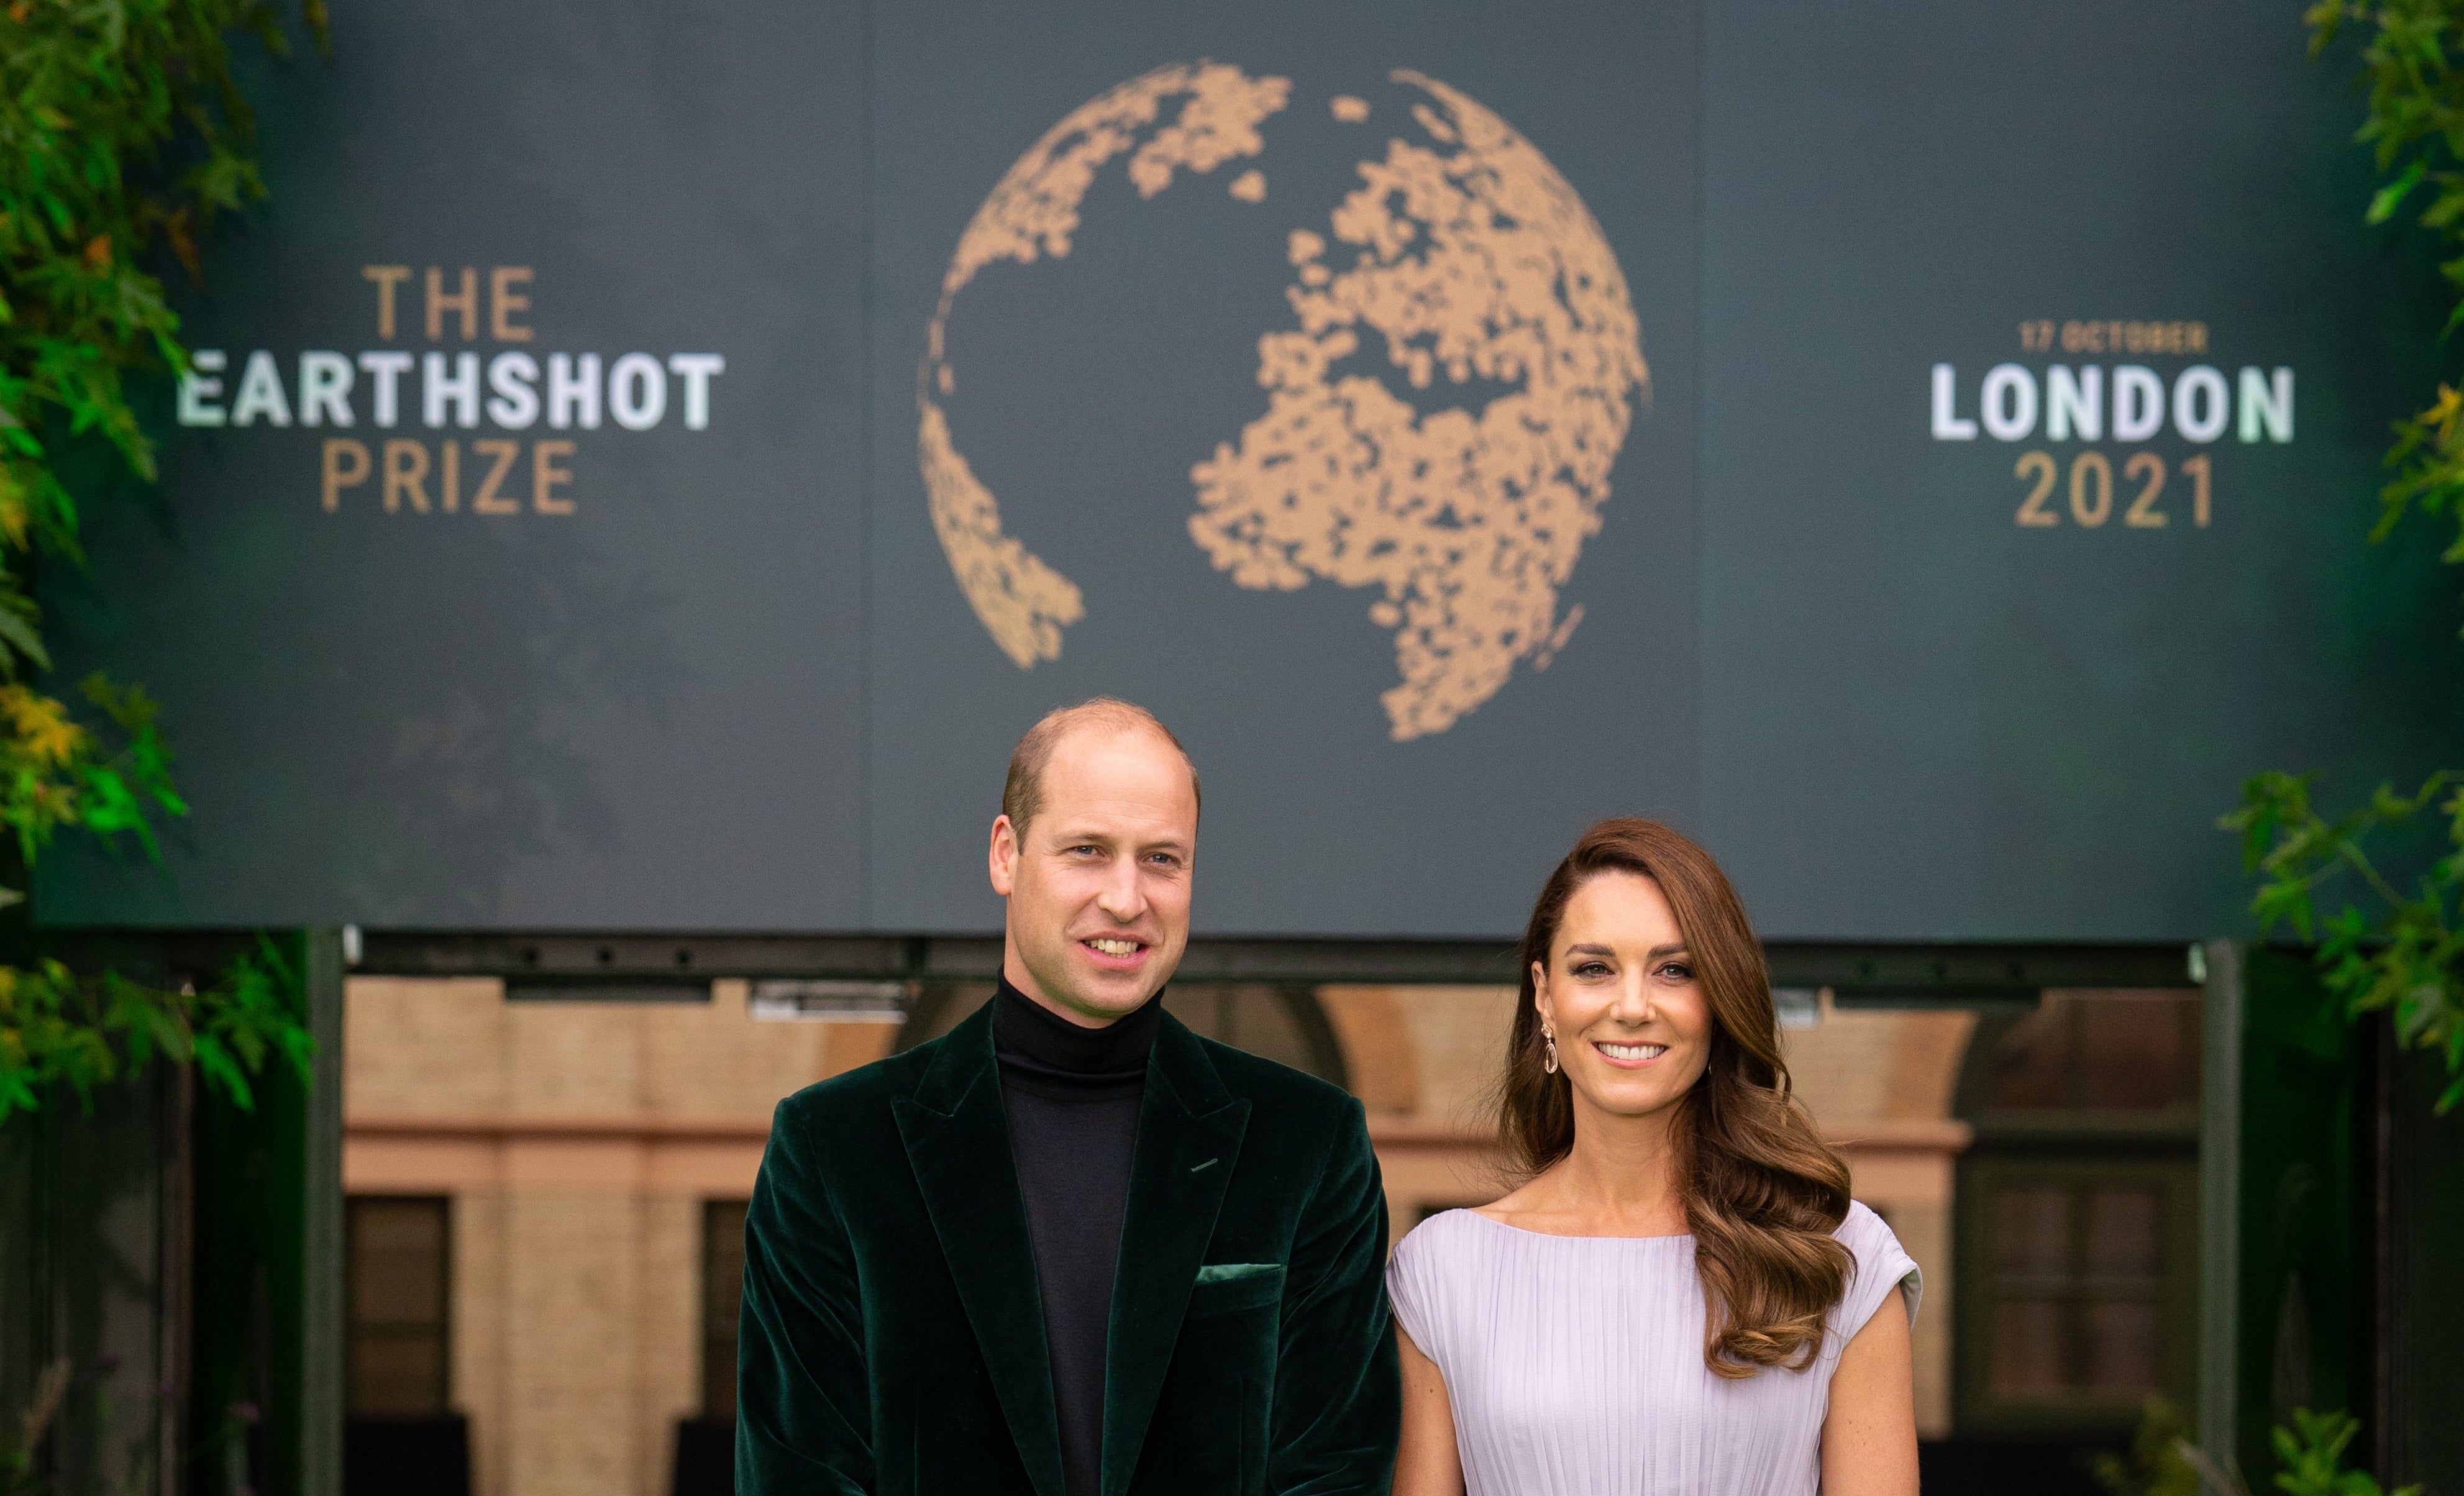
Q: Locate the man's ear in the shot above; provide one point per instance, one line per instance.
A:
(1004, 856)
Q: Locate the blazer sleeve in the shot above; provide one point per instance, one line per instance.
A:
(1338, 1392)
(802, 1411)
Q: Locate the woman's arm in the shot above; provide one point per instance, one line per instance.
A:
(1426, 1463)
(1869, 1437)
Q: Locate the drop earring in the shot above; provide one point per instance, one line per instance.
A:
(1549, 1061)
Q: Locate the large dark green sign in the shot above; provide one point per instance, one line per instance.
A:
(644, 474)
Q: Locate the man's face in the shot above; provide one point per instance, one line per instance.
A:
(1098, 880)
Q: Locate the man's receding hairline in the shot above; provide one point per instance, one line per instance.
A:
(1023, 793)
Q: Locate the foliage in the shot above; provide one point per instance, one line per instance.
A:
(2313, 1452)
(2154, 1465)
(2391, 950)
(2417, 127)
(2400, 957)
(124, 134)
(2403, 960)
(57, 1028)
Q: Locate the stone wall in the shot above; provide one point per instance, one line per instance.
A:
(578, 1142)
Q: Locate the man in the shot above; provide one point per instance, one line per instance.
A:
(1072, 1248)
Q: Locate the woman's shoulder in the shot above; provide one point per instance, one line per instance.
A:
(1435, 1268)
(1881, 1263)
(1446, 1238)
(1865, 1234)
(1861, 1228)
(1449, 1255)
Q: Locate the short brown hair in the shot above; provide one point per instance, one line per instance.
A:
(1023, 793)
(1762, 1191)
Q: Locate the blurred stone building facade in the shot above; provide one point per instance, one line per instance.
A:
(545, 1198)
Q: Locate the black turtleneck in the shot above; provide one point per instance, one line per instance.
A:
(1073, 1097)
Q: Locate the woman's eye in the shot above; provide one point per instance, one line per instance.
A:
(1678, 971)
(1592, 969)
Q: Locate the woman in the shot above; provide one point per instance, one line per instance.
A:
(1681, 1297)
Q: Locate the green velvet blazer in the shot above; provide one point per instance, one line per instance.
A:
(892, 1332)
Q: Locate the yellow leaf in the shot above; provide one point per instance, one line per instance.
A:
(2443, 414)
(14, 515)
(42, 725)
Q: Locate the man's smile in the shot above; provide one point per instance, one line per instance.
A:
(1117, 952)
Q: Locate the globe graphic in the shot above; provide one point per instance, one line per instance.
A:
(1441, 407)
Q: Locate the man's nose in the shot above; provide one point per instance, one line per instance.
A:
(1121, 898)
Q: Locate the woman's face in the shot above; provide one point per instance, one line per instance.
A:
(1633, 1028)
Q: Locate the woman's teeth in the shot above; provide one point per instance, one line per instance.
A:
(1115, 947)
(1632, 1052)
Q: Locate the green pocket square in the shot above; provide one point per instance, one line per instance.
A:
(1222, 1272)
(1235, 1288)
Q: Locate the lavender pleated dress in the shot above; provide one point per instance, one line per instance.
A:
(1574, 1364)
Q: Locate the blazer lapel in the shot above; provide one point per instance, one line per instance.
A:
(958, 1142)
(1189, 1139)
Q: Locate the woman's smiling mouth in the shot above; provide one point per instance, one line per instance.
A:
(1629, 1054)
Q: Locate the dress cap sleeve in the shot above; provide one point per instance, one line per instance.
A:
(1414, 1286)
(1882, 1265)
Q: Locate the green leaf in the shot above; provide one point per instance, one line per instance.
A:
(17, 632)
(224, 1074)
(2382, 206)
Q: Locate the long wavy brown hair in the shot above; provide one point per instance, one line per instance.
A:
(1763, 1193)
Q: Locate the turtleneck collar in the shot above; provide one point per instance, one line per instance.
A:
(1039, 1049)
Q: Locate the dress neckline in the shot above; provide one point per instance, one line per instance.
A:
(1553, 1236)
